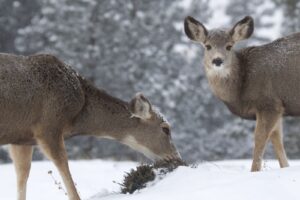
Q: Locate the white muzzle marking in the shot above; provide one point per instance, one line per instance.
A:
(133, 143)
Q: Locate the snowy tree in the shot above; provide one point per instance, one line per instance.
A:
(291, 10)
(13, 16)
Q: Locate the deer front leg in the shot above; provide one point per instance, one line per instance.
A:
(265, 123)
(21, 156)
(53, 146)
(278, 146)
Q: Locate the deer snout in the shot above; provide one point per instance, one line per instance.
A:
(217, 61)
(175, 156)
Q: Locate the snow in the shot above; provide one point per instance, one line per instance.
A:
(209, 181)
(91, 177)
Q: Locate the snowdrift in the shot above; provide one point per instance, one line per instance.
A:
(97, 180)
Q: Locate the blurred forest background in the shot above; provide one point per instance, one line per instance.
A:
(127, 46)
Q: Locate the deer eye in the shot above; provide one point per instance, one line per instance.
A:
(166, 130)
(228, 47)
(208, 47)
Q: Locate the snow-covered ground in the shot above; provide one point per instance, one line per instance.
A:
(211, 180)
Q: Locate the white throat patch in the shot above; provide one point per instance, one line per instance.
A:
(219, 71)
(133, 143)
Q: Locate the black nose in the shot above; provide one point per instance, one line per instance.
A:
(217, 61)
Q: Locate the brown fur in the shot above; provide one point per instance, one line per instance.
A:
(259, 82)
(43, 101)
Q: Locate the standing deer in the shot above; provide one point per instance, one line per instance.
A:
(43, 101)
(258, 82)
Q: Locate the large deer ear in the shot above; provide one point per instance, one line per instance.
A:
(243, 29)
(140, 107)
(195, 30)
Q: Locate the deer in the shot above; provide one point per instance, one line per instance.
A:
(43, 101)
(257, 83)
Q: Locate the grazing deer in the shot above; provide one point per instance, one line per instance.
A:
(43, 101)
(258, 82)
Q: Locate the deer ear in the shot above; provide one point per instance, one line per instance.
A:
(140, 107)
(194, 29)
(243, 29)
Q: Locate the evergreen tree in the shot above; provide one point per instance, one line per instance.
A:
(13, 16)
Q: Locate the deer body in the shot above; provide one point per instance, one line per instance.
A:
(259, 82)
(265, 76)
(43, 101)
(36, 92)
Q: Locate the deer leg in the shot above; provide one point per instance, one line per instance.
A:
(265, 123)
(278, 146)
(52, 144)
(21, 156)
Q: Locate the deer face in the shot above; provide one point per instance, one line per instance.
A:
(152, 134)
(219, 54)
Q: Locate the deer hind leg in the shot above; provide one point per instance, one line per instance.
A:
(21, 156)
(265, 123)
(52, 144)
(278, 146)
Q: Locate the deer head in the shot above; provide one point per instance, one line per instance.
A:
(219, 56)
(152, 133)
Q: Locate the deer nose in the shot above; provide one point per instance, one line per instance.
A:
(217, 61)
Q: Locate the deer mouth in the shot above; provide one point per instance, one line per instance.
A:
(171, 157)
(218, 66)
(171, 161)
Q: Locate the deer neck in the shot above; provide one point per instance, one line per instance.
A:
(225, 83)
(103, 115)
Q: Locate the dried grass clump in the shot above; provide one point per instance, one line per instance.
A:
(138, 178)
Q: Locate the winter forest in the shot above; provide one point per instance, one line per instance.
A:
(130, 46)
